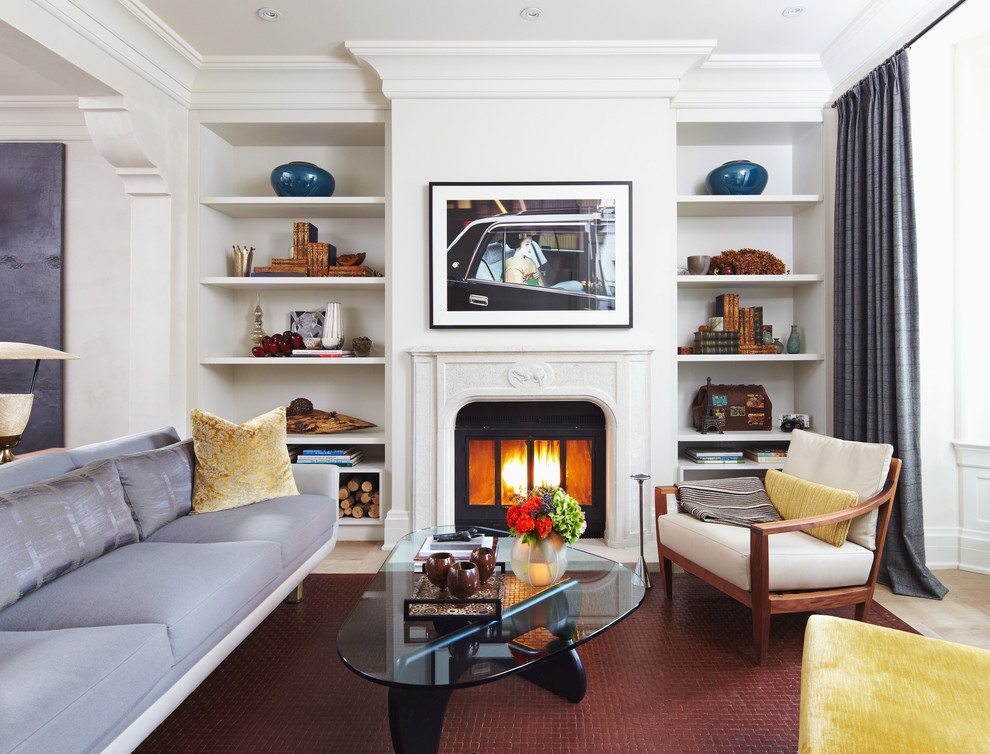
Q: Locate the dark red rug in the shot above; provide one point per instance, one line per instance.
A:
(672, 677)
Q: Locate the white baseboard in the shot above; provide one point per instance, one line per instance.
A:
(974, 551)
(942, 547)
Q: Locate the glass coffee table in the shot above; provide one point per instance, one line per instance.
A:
(534, 631)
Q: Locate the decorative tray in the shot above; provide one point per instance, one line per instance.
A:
(429, 602)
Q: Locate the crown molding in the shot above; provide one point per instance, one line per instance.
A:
(293, 83)
(165, 32)
(40, 119)
(272, 63)
(762, 62)
(877, 33)
(44, 101)
(117, 29)
(756, 81)
(523, 70)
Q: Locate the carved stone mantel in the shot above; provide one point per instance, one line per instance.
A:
(445, 380)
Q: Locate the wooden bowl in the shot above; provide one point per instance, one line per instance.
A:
(350, 260)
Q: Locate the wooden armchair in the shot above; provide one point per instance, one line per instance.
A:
(777, 567)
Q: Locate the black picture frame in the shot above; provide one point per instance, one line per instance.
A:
(531, 255)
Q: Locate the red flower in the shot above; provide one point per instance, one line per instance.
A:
(512, 514)
(531, 505)
(543, 527)
(524, 523)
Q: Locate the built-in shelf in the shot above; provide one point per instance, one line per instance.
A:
(276, 283)
(368, 436)
(278, 207)
(686, 463)
(366, 521)
(745, 206)
(744, 281)
(751, 357)
(691, 435)
(309, 361)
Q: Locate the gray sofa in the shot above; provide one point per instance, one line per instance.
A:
(115, 604)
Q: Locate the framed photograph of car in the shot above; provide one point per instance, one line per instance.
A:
(531, 254)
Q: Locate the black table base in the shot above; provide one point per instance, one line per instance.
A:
(415, 715)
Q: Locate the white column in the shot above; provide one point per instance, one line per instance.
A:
(150, 332)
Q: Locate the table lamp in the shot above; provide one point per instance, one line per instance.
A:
(15, 408)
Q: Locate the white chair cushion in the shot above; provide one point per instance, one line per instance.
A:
(846, 465)
(797, 560)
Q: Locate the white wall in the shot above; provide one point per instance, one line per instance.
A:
(949, 140)
(142, 138)
(96, 269)
(532, 140)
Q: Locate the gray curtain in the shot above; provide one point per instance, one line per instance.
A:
(876, 303)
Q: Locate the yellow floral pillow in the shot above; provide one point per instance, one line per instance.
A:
(793, 497)
(239, 464)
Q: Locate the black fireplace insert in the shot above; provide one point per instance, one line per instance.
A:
(502, 449)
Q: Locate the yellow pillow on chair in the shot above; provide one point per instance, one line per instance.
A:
(239, 464)
(794, 497)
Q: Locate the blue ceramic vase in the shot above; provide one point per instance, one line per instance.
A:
(737, 177)
(302, 179)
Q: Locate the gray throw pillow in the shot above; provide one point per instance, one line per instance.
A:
(52, 527)
(158, 484)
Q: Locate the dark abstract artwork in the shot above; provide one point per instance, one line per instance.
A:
(32, 190)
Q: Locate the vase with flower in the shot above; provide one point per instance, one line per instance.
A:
(543, 523)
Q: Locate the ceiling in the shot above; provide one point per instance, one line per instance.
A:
(842, 37)
(313, 28)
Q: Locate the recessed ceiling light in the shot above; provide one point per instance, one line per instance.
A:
(269, 14)
(793, 10)
(531, 14)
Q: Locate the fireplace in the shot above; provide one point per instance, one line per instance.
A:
(446, 380)
(502, 449)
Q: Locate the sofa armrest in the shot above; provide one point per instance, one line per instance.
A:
(317, 479)
(660, 499)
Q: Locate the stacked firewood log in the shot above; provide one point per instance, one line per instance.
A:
(359, 496)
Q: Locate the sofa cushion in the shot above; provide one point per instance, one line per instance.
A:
(847, 465)
(239, 464)
(798, 498)
(192, 589)
(50, 528)
(158, 484)
(157, 438)
(74, 685)
(797, 561)
(293, 522)
(35, 469)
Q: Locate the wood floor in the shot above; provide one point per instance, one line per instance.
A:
(963, 616)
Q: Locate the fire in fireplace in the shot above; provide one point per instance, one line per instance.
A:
(503, 449)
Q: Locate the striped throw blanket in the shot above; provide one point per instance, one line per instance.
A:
(741, 501)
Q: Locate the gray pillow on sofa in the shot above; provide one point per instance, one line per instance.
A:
(158, 484)
(52, 527)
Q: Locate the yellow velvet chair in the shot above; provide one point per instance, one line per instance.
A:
(878, 690)
(778, 567)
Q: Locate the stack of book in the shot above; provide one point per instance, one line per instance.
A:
(765, 454)
(716, 341)
(742, 329)
(715, 455)
(357, 271)
(336, 456)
